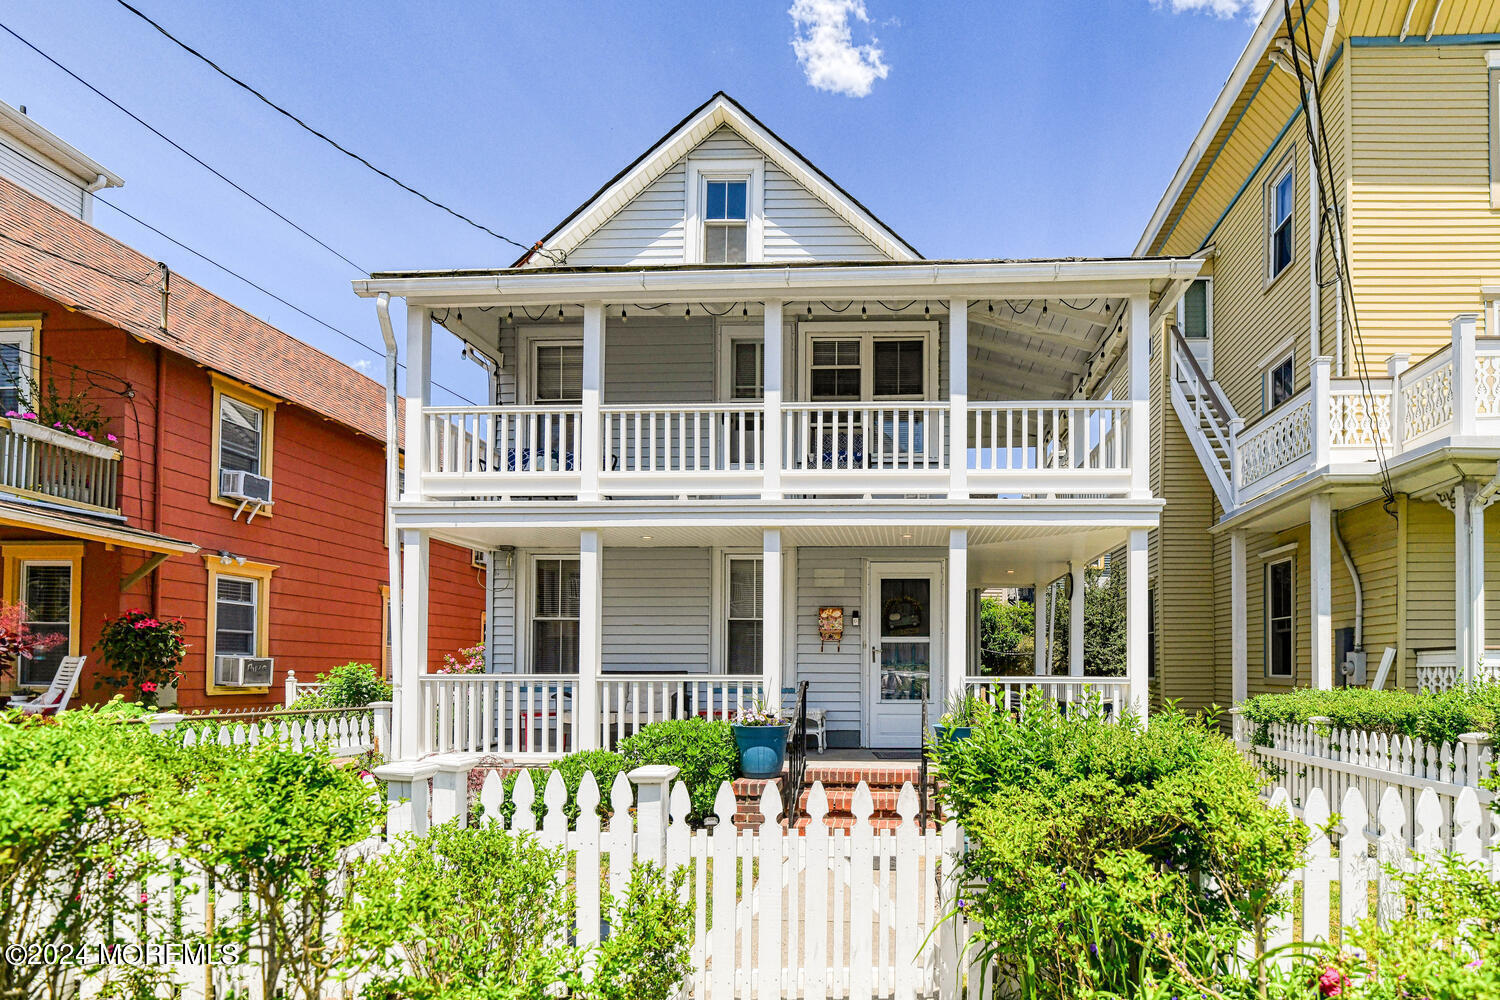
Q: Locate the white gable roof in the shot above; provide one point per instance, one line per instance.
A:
(719, 112)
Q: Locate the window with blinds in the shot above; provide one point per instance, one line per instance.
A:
(744, 631)
(47, 593)
(236, 612)
(554, 622)
(749, 372)
(1194, 314)
(835, 370)
(240, 428)
(558, 375)
(15, 365)
(899, 369)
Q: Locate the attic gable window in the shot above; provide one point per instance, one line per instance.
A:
(725, 222)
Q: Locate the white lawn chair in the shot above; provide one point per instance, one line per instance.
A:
(817, 718)
(59, 692)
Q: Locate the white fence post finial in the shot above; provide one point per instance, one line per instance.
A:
(652, 786)
(291, 689)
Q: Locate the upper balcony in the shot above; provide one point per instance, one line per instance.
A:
(1450, 398)
(42, 463)
(964, 380)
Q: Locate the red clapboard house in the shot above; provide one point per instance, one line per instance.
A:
(210, 410)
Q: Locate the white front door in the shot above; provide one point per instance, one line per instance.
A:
(904, 662)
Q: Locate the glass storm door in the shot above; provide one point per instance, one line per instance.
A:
(904, 653)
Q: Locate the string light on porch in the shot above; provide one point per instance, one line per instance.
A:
(623, 317)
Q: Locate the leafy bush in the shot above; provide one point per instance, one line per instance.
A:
(1108, 856)
(604, 764)
(274, 824)
(480, 913)
(72, 843)
(703, 751)
(352, 685)
(143, 651)
(1439, 718)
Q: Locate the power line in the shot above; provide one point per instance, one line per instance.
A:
(79, 263)
(326, 138)
(180, 148)
(267, 292)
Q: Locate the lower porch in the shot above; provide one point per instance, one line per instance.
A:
(595, 633)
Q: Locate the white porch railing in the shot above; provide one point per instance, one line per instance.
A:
(519, 714)
(47, 463)
(853, 438)
(1010, 693)
(629, 701)
(1455, 391)
(521, 447)
(660, 447)
(1437, 669)
(1062, 446)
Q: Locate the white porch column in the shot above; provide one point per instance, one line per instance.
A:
(1039, 626)
(590, 449)
(771, 381)
(1140, 395)
(1075, 621)
(418, 396)
(958, 399)
(590, 639)
(1318, 429)
(770, 616)
(1465, 385)
(1136, 625)
(1238, 647)
(1463, 604)
(1476, 586)
(956, 631)
(409, 726)
(1320, 596)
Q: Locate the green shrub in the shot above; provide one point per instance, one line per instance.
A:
(1439, 718)
(645, 955)
(73, 789)
(1105, 857)
(604, 764)
(352, 685)
(703, 751)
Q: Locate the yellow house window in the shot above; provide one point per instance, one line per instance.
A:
(239, 615)
(48, 579)
(243, 435)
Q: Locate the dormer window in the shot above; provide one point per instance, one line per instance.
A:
(725, 221)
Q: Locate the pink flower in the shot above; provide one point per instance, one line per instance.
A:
(11, 413)
(1478, 963)
(28, 416)
(110, 438)
(143, 897)
(1332, 982)
(148, 686)
(57, 424)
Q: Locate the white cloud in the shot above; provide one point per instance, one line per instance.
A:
(1219, 8)
(825, 48)
(363, 364)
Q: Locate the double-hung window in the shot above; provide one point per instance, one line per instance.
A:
(845, 364)
(743, 628)
(17, 347)
(1280, 615)
(236, 615)
(47, 595)
(554, 621)
(725, 221)
(241, 430)
(747, 369)
(1194, 312)
(557, 375)
(1279, 199)
(836, 373)
(1279, 382)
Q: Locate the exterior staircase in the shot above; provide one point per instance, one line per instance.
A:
(1210, 422)
(840, 781)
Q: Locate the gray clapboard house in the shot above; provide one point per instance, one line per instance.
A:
(743, 435)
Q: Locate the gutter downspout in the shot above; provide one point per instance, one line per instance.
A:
(393, 550)
(1359, 590)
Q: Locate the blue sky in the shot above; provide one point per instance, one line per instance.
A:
(1011, 128)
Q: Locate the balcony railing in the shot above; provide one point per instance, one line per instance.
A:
(48, 464)
(1454, 392)
(1067, 448)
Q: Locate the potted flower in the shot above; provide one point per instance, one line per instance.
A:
(760, 736)
(144, 653)
(958, 718)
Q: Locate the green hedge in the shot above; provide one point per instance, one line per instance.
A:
(1440, 718)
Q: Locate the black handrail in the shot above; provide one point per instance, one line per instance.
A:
(796, 761)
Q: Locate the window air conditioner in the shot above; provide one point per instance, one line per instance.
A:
(245, 486)
(243, 671)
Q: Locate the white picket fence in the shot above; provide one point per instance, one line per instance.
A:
(344, 733)
(1302, 758)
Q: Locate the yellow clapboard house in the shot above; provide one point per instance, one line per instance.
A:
(1326, 399)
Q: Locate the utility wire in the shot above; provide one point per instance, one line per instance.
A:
(83, 264)
(267, 292)
(329, 140)
(180, 148)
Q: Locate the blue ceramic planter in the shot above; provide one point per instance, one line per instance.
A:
(762, 749)
(944, 733)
